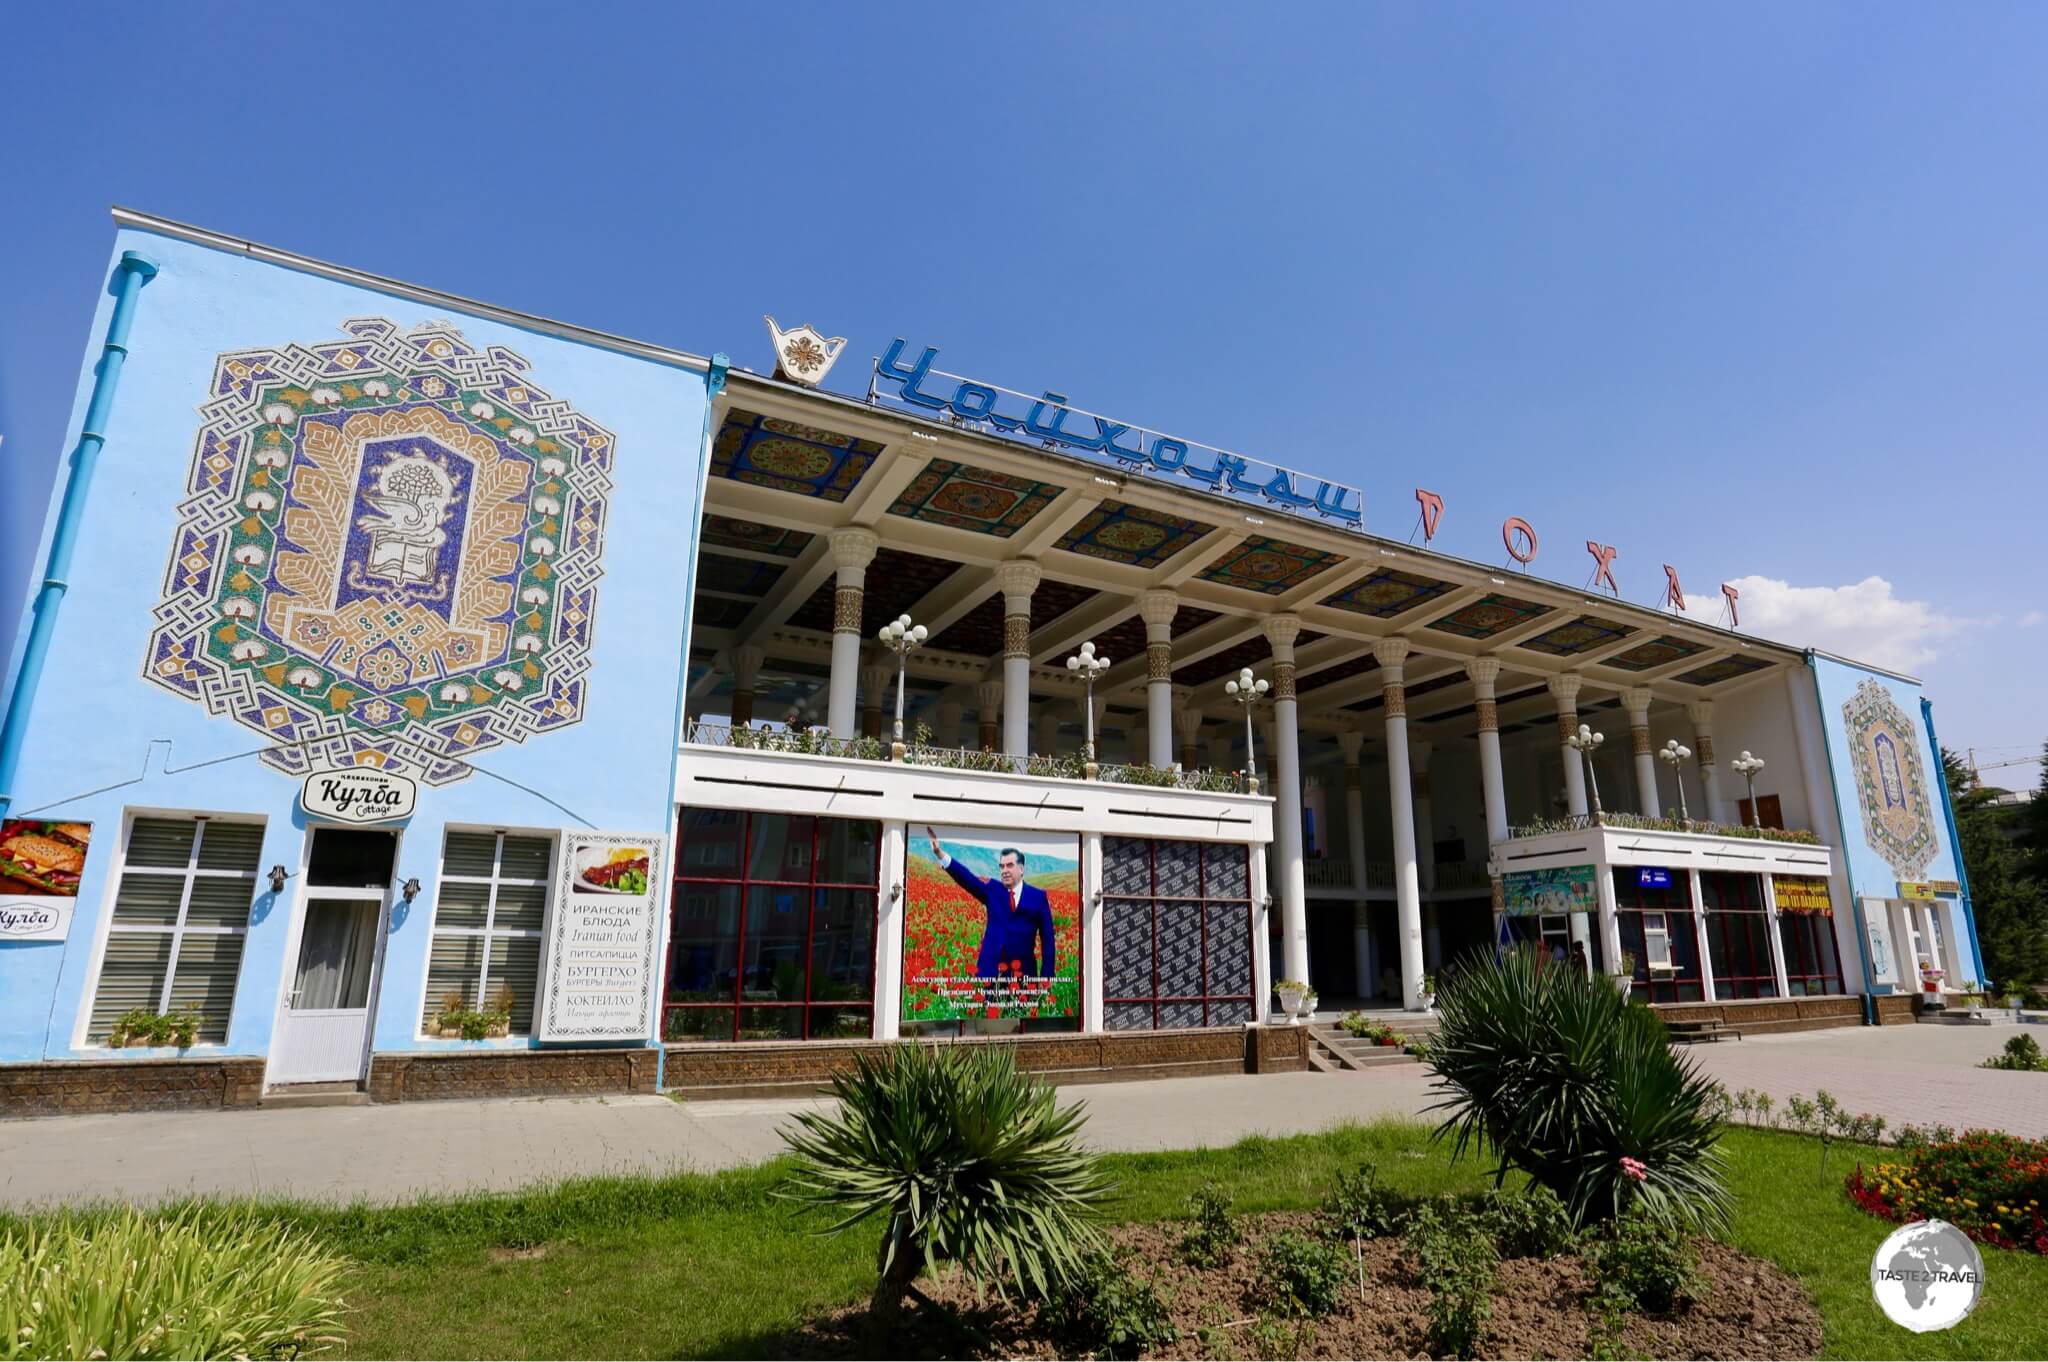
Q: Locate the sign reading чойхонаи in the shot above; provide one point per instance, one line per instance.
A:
(600, 972)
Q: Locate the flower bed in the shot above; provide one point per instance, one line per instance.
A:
(1991, 1186)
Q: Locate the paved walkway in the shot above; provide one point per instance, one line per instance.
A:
(1905, 1073)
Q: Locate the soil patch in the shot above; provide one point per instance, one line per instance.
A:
(1748, 1308)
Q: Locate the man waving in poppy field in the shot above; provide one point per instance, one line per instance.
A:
(1019, 915)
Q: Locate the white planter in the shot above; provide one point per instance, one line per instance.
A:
(1290, 1003)
(1429, 1002)
(1308, 1006)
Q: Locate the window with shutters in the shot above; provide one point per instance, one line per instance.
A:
(490, 909)
(180, 919)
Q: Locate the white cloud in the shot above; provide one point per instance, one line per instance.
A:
(1865, 621)
(2031, 618)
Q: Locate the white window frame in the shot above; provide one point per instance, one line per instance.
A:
(1658, 958)
(490, 928)
(82, 1033)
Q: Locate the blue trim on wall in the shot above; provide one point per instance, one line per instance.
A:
(1948, 811)
(1820, 715)
(130, 275)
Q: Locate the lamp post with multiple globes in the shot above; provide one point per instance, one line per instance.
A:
(1672, 754)
(899, 636)
(1247, 690)
(1088, 667)
(1586, 742)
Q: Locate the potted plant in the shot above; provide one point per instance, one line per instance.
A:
(448, 1022)
(1308, 1005)
(1429, 983)
(499, 1014)
(1291, 992)
(1625, 978)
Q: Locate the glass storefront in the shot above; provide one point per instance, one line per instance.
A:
(1656, 927)
(1738, 935)
(772, 927)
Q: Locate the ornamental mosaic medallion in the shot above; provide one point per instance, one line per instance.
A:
(1891, 783)
(388, 554)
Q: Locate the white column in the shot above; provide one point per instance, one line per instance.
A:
(1702, 714)
(1048, 730)
(1699, 929)
(1636, 700)
(1610, 925)
(1392, 654)
(1156, 608)
(1419, 753)
(1485, 671)
(1352, 741)
(889, 934)
(1223, 751)
(1187, 727)
(1565, 689)
(1281, 631)
(876, 679)
(1262, 954)
(951, 711)
(1776, 939)
(1091, 931)
(988, 699)
(746, 673)
(853, 548)
(1018, 579)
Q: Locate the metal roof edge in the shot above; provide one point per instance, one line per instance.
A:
(1867, 667)
(660, 354)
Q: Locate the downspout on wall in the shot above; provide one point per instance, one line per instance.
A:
(1955, 842)
(133, 271)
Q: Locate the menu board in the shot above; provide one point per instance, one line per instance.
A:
(601, 966)
(1801, 894)
(40, 865)
(1547, 893)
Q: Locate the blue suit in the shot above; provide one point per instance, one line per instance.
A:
(1012, 935)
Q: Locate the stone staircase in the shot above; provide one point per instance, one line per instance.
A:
(1701, 1032)
(1332, 1049)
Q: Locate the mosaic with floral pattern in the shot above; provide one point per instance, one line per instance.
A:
(1658, 652)
(1269, 566)
(970, 498)
(389, 552)
(1490, 615)
(1727, 669)
(769, 452)
(1135, 535)
(1891, 780)
(1582, 635)
(1387, 593)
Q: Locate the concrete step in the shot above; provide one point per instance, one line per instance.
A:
(292, 1095)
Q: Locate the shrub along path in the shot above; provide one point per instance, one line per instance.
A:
(713, 1265)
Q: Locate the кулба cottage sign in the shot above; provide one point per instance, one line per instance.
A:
(359, 795)
(1133, 447)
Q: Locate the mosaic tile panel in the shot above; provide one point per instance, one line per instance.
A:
(389, 552)
(896, 581)
(1582, 635)
(1658, 652)
(1727, 669)
(1387, 593)
(1134, 535)
(1269, 566)
(970, 498)
(727, 532)
(1490, 615)
(767, 452)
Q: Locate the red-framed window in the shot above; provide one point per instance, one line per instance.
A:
(772, 927)
(1738, 935)
(1176, 934)
(1811, 966)
(1656, 927)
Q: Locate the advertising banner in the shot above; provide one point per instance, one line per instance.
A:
(40, 863)
(600, 971)
(991, 925)
(1542, 893)
(1802, 894)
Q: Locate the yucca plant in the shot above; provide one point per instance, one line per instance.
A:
(147, 1285)
(1560, 1077)
(964, 1157)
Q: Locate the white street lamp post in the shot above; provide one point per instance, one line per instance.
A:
(1747, 766)
(1248, 691)
(1088, 666)
(1586, 742)
(899, 636)
(1672, 754)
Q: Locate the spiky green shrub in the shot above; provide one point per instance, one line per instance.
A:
(144, 1285)
(965, 1158)
(1559, 1076)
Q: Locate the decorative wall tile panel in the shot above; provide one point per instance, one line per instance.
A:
(1387, 593)
(1490, 615)
(1269, 566)
(1134, 535)
(789, 457)
(970, 498)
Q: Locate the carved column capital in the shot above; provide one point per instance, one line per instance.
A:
(1352, 743)
(1281, 631)
(1564, 687)
(1636, 700)
(1484, 671)
(1391, 654)
(1157, 609)
(1018, 578)
(988, 697)
(745, 662)
(1419, 751)
(853, 548)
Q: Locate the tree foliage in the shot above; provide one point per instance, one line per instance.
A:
(2005, 857)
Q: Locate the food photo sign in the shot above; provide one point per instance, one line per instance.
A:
(40, 864)
(991, 926)
(600, 972)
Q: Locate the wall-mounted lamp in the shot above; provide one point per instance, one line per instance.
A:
(895, 891)
(1266, 903)
(410, 890)
(277, 879)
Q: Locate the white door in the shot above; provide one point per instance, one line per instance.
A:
(323, 1029)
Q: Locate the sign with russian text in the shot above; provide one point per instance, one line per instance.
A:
(1802, 894)
(359, 794)
(1653, 877)
(40, 865)
(1546, 893)
(600, 973)
(1916, 890)
(1044, 423)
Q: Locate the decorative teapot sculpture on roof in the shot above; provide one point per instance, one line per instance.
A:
(802, 354)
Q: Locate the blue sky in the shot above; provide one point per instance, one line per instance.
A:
(1754, 290)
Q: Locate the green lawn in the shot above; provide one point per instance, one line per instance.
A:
(714, 1266)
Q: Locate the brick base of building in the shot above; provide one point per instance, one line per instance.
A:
(398, 1077)
(1894, 1009)
(1767, 1016)
(753, 1069)
(76, 1087)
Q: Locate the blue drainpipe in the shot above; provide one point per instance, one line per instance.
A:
(129, 276)
(1955, 843)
